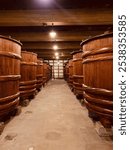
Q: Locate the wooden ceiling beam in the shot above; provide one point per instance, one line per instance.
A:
(55, 16)
(61, 36)
(50, 50)
(49, 45)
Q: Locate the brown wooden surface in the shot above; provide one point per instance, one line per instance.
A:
(10, 55)
(28, 75)
(98, 76)
(77, 73)
(72, 24)
(70, 81)
(39, 74)
(44, 73)
(66, 71)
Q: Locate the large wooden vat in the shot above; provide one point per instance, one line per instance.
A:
(78, 74)
(98, 77)
(71, 74)
(49, 72)
(39, 74)
(10, 55)
(44, 73)
(28, 75)
(66, 71)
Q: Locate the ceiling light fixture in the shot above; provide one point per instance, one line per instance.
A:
(55, 47)
(56, 54)
(57, 57)
(52, 34)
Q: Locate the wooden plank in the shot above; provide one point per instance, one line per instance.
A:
(49, 45)
(61, 35)
(56, 16)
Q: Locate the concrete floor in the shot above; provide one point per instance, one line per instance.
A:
(54, 120)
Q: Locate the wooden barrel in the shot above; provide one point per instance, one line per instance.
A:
(10, 55)
(44, 73)
(39, 74)
(28, 75)
(66, 71)
(71, 74)
(49, 72)
(98, 77)
(78, 74)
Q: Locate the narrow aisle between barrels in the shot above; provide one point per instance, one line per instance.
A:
(54, 120)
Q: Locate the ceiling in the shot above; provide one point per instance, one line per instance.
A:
(30, 21)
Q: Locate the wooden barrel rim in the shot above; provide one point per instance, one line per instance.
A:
(39, 64)
(8, 98)
(5, 112)
(78, 87)
(28, 63)
(10, 54)
(11, 39)
(97, 51)
(77, 59)
(102, 58)
(78, 76)
(98, 91)
(27, 87)
(77, 84)
(28, 91)
(10, 107)
(75, 52)
(97, 109)
(7, 105)
(10, 77)
(96, 37)
(29, 53)
(28, 82)
(108, 116)
(96, 100)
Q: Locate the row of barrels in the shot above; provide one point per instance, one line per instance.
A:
(22, 74)
(90, 76)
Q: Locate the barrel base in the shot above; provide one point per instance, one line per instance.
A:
(102, 131)
(91, 113)
(32, 96)
(106, 122)
(93, 116)
(17, 111)
(2, 125)
(24, 103)
(79, 96)
(27, 94)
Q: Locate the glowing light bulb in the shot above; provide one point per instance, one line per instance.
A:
(57, 57)
(56, 54)
(52, 34)
(55, 47)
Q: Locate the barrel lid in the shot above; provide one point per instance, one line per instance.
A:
(75, 52)
(23, 51)
(11, 39)
(96, 37)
